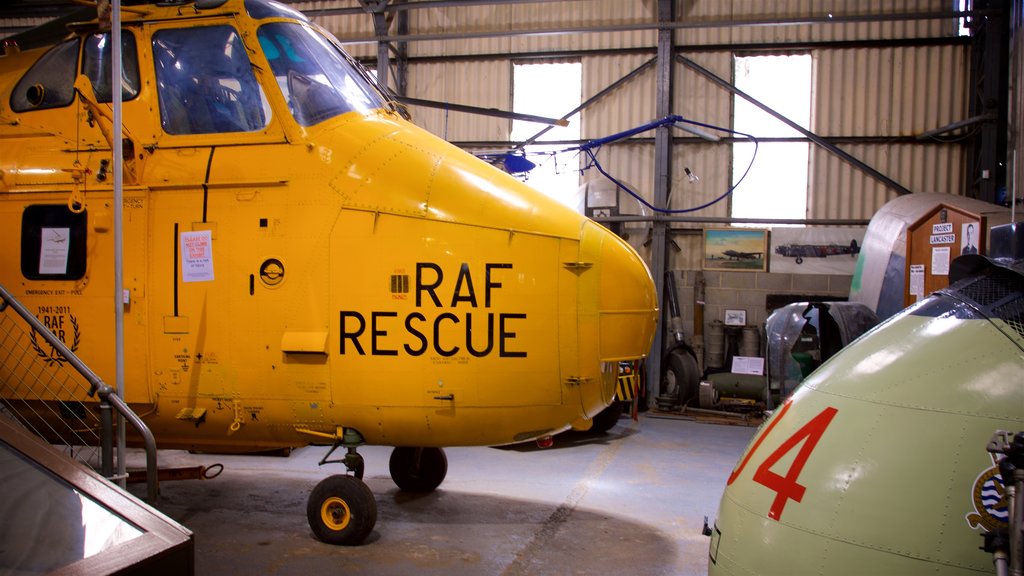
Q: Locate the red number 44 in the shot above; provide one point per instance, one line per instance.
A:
(786, 487)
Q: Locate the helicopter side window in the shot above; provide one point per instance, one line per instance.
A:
(319, 82)
(205, 82)
(96, 62)
(53, 242)
(49, 83)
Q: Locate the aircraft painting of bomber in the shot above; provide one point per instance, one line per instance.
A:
(735, 249)
(801, 251)
(736, 255)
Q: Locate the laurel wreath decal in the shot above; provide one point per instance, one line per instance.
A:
(55, 357)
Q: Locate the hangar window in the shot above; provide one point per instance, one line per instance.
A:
(49, 82)
(964, 24)
(96, 63)
(549, 89)
(776, 185)
(205, 82)
(53, 242)
(317, 79)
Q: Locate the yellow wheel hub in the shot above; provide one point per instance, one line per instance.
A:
(335, 513)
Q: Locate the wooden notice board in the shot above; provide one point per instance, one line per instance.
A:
(933, 242)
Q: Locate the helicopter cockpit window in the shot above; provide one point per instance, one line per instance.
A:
(96, 59)
(49, 83)
(260, 9)
(205, 82)
(318, 80)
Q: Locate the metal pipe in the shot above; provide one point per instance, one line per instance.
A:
(649, 26)
(118, 151)
(688, 49)
(698, 318)
(729, 220)
(153, 490)
(986, 117)
(738, 415)
(1015, 495)
(106, 438)
(482, 111)
(870, 171)
(662, 184)
(722, 140)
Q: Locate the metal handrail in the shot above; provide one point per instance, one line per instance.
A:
(108, 398)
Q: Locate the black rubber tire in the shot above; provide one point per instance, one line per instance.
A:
(418, 469)
(606, 419)
(341, 510)
(685, 378)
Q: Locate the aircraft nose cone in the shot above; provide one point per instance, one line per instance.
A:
(617, 312)
(626, 303)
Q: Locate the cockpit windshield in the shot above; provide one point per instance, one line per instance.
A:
(206, 83)
(317, 79)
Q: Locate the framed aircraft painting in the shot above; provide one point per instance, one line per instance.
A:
(816, 250)
(736, 249)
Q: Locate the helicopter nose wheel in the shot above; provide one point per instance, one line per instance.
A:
(418, 469)
(341, 510)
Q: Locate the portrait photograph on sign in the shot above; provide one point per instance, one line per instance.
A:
(969, 237)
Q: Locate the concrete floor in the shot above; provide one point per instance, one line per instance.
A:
(631, 501)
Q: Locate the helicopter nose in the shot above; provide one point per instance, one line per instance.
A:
(626, 302)
(617, 312)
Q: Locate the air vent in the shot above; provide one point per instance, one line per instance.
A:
(997, 293)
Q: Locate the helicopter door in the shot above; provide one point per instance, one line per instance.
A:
(65, 231)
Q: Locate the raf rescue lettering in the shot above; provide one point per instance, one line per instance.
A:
(443, 301)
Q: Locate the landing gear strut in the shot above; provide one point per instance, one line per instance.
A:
(341, 509)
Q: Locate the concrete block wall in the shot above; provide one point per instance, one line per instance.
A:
(749, 291)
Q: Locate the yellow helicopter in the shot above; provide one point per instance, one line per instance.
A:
(301, 263)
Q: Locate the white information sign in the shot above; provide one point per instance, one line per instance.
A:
(747, 365)
(940, 261)
(53, 250)
(197, 256)
(944, 228)
(917, 280)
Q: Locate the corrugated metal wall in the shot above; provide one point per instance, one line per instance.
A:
(884, 93)
(864, 93)
(873, 88)
(10, 26)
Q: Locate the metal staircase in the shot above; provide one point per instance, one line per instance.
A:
(50, 391)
